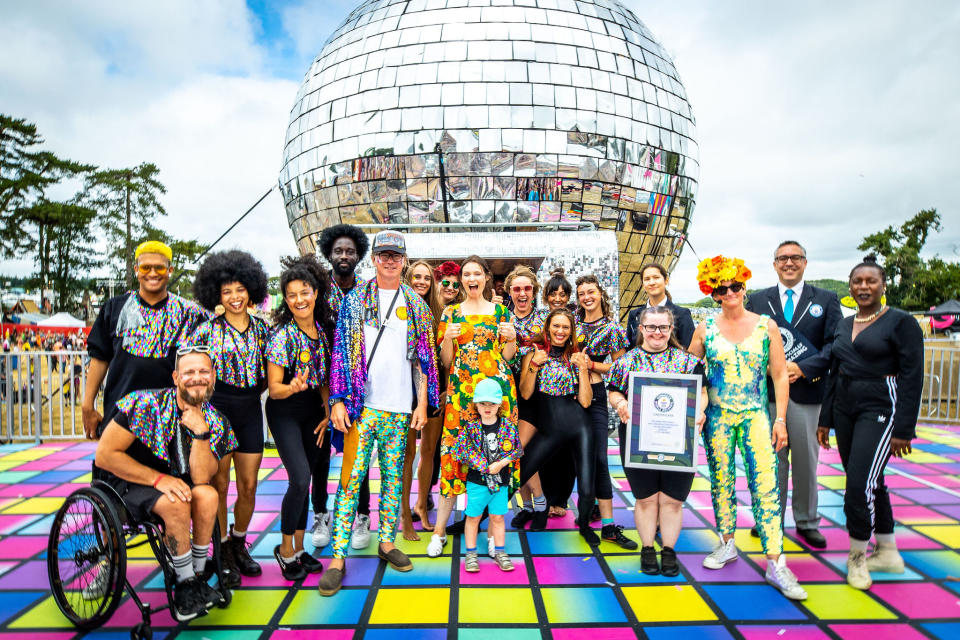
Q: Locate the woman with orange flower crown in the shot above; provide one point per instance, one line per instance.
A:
(740, 349)
(477, 340)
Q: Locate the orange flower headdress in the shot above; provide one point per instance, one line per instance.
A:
(712, 271)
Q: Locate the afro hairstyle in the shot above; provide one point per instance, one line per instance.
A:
(224, 267)
(308, 269)
(334, 233)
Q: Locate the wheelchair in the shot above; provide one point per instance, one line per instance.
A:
(87, 559)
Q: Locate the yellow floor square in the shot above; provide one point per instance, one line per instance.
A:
(396, 606)
(500, 606)
(700, 484)
(833, 482)
(841, 601)
(664, 603)
(248, 608)
(947, 534)
(29, 454)
(86, 478)
(35, 505)
(45, 615)
(746, 542)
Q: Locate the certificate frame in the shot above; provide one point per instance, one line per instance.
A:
(638, 458)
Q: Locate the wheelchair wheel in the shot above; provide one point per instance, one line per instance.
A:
(86, 558)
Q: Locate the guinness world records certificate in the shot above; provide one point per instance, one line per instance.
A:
(662, 431)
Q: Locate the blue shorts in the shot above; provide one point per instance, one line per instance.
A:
(480, 498)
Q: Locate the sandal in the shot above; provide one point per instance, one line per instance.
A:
(471, 563)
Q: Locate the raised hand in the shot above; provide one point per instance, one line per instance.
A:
(299, 382)
(506, 332)
(539, 355)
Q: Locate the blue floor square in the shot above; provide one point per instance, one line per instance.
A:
(702, 632)
(752, 602)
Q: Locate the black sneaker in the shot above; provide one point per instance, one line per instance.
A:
(595, 513)
(668, 562)
(290, 570)
(245, 564)
(648, 561)
(539, 522)
(208, 595)
(614, 533)
(309, 563)
(521, 519)
(590, 536)
(187, 601)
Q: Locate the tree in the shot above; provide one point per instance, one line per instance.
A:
(912, 282)
(25, 173)
(73, 252)
(128, 202)
(186, 253)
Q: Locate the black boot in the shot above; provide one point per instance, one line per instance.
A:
(244, 563)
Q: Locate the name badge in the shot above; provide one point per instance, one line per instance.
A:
(816, 310)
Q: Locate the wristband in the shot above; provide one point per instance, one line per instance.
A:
(157, 481)
(780, 420)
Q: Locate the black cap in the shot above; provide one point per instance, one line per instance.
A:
(389, 241)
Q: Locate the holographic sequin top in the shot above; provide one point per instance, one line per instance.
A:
(151, 331)
(336, 295)
(238, 356)
(600, 338)
(526, 327)
(737, 372)
(153, 417)
(557, 376)
(670, 360)
(289, 347)
(348, 368)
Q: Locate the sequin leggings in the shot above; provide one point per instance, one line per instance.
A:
(389, 432)
(750, 430)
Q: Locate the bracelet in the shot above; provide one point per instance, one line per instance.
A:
(157, 481)
(780, 420)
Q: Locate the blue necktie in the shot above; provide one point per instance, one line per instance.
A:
(788, 308)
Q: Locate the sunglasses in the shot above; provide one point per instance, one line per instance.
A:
(160, 269)
(196, 348)
(654, 328)
(389, 256)
(736, 287)
(452, 284)
(517, 289)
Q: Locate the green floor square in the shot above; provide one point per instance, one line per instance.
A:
(500, 633)
(307, 607)
(248, 608)
(843, 602)
(501, 606)
(582, 605)
(219, 634)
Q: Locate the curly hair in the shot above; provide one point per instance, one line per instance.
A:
(337, 231)
(523, 271)
(224, 267)
(605, 307)
(306, 268)
(448, 268)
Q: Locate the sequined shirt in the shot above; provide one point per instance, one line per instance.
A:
(336, 295)
(557, 377)
(527, 327)
(153, 417)
(737, 372)
(670, 360)
(601, 338)
(238, 356)
(289, 347)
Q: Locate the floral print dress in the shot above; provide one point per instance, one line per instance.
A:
(476, 356)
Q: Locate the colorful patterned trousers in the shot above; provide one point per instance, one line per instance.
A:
(750, 430)
(389, 432)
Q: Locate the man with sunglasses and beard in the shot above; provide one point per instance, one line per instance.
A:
(160, 452)
(135, 336)
(343, 246)
(807, 317)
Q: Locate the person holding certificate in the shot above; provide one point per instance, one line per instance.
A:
(658, 494)
(740, 348)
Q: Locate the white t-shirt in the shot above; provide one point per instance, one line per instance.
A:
(389, 378)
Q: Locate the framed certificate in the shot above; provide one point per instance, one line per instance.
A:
(662, 431)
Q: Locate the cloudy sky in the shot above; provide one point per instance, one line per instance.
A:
(818, 121)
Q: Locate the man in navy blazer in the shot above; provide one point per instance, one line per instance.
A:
(807, 317)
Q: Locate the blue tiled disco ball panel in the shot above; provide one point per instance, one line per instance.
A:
(544, 110)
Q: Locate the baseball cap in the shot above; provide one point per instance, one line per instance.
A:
(389, 241)
(488, 390)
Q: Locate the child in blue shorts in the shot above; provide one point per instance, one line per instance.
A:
(489, 448)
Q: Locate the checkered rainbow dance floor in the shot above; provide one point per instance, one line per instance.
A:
(562, 589)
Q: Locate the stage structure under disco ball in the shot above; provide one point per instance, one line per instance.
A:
(529, 119)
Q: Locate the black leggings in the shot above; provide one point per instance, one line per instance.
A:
(863, 419)
(321, 473)
(563, 422)
(292, 421)
(600, 421)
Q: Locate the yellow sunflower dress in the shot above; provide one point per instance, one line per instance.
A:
(476, 356)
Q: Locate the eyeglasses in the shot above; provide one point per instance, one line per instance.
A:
(736, 287)
(160, 269)
(785, 259)
(389, 256)
(451, 284)
(657, 328)
(196, 348)
(517, 289)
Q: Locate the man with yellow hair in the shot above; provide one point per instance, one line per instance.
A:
(134, 339)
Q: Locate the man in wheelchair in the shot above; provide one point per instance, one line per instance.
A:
(160, 452)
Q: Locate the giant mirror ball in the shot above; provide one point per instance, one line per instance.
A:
(542, 110)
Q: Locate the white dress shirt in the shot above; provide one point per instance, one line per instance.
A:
(797, 290)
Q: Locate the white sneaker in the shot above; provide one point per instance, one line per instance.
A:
(491, 547)
(780, 576)
(97, 588)
(435, 546)
(360, 538)
(858, 576)
(885, 559)
(723, 553)
(320, 533)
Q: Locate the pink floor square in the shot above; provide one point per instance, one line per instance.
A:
(594, 633)
(924, 600)
(127, 615)
(876, 632)
(19, 547)
(490, 574)
(312, 634)
(24, 489)
(810, 569)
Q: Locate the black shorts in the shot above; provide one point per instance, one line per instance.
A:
(527, 409)
(242, 409)
(139, 499)
(647, 482)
